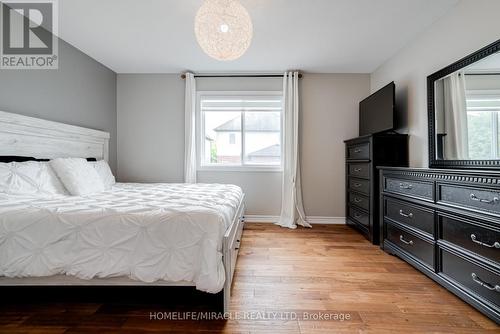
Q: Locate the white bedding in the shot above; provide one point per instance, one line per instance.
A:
(146, 232)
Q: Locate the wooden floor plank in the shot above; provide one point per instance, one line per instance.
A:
(329, 269)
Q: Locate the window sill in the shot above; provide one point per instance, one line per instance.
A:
(267, 169)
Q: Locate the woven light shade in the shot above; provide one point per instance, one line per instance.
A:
(223, 29)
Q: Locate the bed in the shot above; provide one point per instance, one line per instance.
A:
(132, 234)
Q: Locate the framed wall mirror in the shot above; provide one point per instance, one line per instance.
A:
(464, 112)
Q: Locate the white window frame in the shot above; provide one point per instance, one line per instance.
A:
(200, 125)
(494, 119)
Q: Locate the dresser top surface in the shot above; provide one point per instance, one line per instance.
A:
(377, 135)
(477, 172)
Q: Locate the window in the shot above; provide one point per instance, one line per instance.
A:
(232, 139)
(483, 109)
(241, 130)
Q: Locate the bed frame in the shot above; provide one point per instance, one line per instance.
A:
(42, 139)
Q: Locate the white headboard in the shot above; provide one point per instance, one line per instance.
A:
(38, 138)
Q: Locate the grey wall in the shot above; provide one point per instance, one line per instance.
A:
(150, 127)
(81, 92)
(481, 82)
(151, 136)
(469, 26)
(330, 109)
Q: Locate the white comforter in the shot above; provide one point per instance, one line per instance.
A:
(147, 232)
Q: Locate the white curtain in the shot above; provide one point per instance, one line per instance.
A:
(190, 128)
(292, 209)
(456, 143)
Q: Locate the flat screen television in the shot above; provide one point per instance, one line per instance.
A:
(377, 111)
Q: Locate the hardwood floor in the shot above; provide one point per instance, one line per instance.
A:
(320, 271)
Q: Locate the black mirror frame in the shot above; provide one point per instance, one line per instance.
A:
(431, 79)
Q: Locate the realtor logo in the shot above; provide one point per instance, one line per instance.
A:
(28, 34)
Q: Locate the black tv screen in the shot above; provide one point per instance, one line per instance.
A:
(376, 112)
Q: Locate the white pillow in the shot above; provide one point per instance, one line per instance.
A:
(29, 178)
(77, 175)
(105, 173)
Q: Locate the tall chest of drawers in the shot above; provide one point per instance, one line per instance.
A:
(363, 155)
(446, 223)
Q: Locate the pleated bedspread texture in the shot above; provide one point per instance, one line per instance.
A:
(146, 232)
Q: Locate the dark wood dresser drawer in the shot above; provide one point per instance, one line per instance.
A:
(359, 152)
(359, 201)
(419, 189)
(447, 224)
(361, 170)
(478, 238)
(359, 185)
(481, 199)
(412, 215)
(480, 279)
(416, 246)
(363, 155)
(361, 217)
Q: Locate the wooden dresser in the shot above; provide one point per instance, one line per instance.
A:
(446, 223)
(363, 155)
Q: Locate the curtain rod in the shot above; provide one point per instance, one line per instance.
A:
(183, 76)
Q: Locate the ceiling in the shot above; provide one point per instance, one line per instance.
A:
(327, 36)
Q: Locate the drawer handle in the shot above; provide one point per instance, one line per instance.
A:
(474, 239)
(402, 239)
(357, 215)
(482, 283)
(407, 215)
(358, 150)
(357, 200)
(357, 185)
(357, 170)
(237, 240)
(405, 186)
(236, 248)
(495, 200)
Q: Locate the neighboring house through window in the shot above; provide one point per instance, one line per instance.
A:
(240, 129)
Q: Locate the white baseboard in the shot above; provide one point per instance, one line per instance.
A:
(261, 219)
(326, 220)
(310, 219)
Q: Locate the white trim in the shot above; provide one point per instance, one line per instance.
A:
(482, 92)
(495, 142)
(261, 219)
(310, 219)
(34, 137)
(246, 168)
(224, 93)
(325, 220)
(475, 93)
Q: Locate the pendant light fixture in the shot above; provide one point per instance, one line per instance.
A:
(223, 29)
